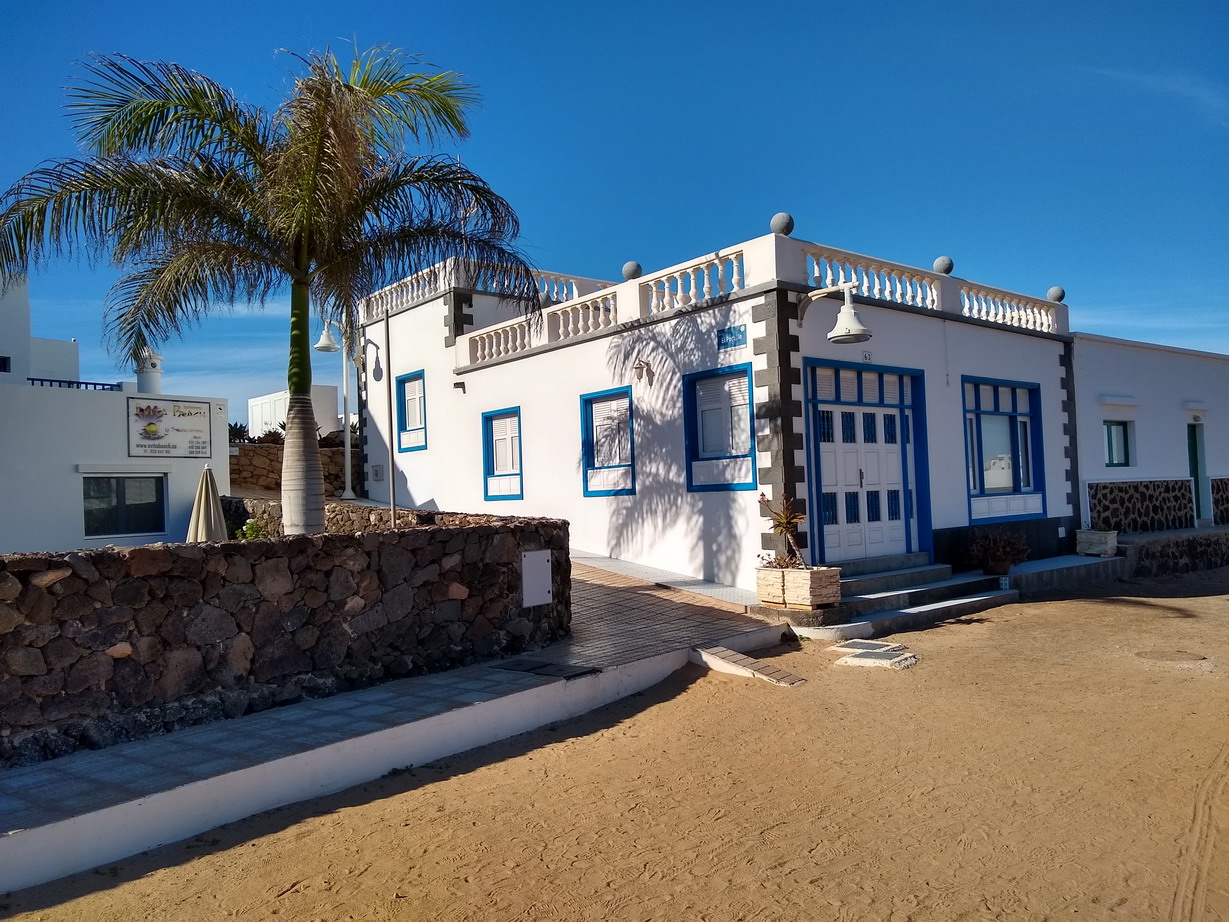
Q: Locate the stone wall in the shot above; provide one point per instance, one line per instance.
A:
(259, 465)
(105, 645)
(1220, 500)
(1202, 550)
(341, 518)
(1141, 505)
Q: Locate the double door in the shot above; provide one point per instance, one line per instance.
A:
(863, 495)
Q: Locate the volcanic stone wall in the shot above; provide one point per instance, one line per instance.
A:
(105, 645)
(260, 465)
(1141, 505)
(1220, 500)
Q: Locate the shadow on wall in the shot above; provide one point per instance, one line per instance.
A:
(662, 505)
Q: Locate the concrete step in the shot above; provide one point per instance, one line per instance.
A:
(880, 564)
(878, 624)
(886, 580)
(913, 595)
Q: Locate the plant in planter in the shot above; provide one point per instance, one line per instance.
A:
(786, 580)
(996, 550)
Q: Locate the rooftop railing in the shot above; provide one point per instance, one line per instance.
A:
(77, 385)
(590, 307)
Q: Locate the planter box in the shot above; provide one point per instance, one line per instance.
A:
(1096, 543)
(799, 589)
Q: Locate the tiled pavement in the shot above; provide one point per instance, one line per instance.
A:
(617, 619)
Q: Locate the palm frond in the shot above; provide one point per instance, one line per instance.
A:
(130, 106)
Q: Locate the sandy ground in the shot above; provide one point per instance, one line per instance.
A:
(1032, 766)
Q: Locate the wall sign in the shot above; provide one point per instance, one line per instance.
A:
(160, 428)
(732, 337)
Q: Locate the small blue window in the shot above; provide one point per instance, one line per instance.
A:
(889, 429)
(411, 413)
(501, 454)
(852, 508)
(719, 427)
(607, 443)
(873, 506)
(849, 431)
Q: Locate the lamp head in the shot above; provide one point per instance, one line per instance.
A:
(849, 328)
(327, 342)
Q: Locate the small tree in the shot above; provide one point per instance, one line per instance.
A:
(785, 522)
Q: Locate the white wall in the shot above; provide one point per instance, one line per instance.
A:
(55, 436)
(268, 411)
(944, 350)
(710, 535)
(55, 358)
(1159, 390)
(15, 331)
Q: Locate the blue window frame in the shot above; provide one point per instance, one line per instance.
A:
(501, 455)
(1002, 421)
(719, 429)
(607, 433)
(411, 412)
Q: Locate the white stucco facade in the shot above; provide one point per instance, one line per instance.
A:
(65, 441)
(268, 411)
(1163, 407)
(954, 414)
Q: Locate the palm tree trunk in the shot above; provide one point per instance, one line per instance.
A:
(302, 473)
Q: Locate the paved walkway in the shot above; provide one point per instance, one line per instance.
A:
(619, 624)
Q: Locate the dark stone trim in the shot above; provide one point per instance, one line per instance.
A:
(782, 413)
(1070, 431)
(458, 314)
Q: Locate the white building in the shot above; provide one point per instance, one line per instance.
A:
(1153, 435)
(268, 411)
(86, 464)
(652, 412)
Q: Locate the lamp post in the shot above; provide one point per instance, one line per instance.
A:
(328, 344)
(849, 328)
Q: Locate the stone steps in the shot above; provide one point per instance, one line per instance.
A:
(877, 624)
(888, 580)
(913, 595)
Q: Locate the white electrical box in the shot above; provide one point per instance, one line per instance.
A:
(536, 583)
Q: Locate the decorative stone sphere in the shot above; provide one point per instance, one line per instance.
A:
(945, 265)
(782, 223)
(632, 270)
(1056, 294)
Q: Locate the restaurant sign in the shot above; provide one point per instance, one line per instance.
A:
(168, 428)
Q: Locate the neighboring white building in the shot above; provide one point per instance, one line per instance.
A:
(1153, 434)
(268, 411)
(86, 464)
(652, 412)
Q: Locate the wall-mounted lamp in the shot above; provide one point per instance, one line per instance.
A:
(459, 385)
(849, 328)
(642, 367)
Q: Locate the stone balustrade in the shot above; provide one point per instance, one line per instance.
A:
(765, 260)
(105, 645)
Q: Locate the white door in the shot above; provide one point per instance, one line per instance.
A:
(862, 498)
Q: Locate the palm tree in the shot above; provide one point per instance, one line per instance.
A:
(202, 200)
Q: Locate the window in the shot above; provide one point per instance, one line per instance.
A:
(501, 454)
(1117, 443)
(411, 413)
(606, 443)
(1000, 421)
(6, 364)
(719, 429)
(124, 506)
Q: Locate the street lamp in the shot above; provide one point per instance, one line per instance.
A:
(849, 328)
(328, 344)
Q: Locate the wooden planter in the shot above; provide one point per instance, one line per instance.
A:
(1096, 543)
(799, 589)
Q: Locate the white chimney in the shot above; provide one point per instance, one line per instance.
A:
(149, 373)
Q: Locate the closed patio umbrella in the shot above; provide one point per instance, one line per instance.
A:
(207, 522)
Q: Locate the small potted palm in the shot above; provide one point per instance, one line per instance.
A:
(786, 580)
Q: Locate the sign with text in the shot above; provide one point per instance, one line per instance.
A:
(160, 428)
(732, 337)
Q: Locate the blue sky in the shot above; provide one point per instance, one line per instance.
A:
(1080, 144)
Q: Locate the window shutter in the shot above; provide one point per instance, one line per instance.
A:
(610, 431)
(412, 395)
